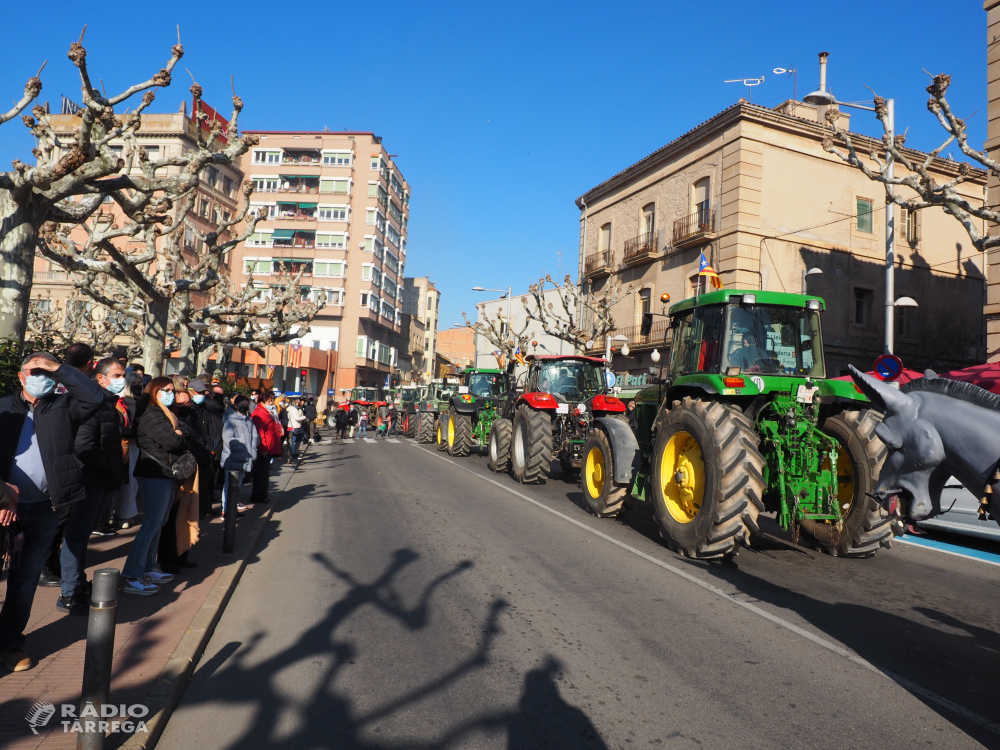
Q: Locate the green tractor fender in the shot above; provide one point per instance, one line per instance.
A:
(465, 403)
(627, 457)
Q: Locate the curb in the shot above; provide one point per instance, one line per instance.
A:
(166, 691)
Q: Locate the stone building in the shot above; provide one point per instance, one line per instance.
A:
(753, 190)
(992, 146)
(422, 299)
(458, 345)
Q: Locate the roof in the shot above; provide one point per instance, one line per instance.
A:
(559, 357)
(725, 296)
(309, 132)
(474, 370)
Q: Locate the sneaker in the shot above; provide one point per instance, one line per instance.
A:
(104, 529)
(157, 576)
(140, 587)
(72, 606)
(48, 578)
(17, 660)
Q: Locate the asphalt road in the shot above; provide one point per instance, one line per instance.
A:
(404, 599)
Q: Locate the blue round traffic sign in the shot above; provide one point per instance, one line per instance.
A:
(888, 367)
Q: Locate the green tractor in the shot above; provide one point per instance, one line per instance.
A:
(408, 398)
(744, 422)
(435, 401)
(473, 410)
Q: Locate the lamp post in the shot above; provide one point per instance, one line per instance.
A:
(810, 272)
(198, 329)
(508, 295)
(607, 346)
(825, 98)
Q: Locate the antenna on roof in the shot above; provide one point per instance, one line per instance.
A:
(749, 83)
(795, 80)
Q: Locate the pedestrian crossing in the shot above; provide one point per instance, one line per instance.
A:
(352, 441)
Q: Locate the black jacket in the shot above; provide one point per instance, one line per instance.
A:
(310, 411)
(194, 431)
(157, 441)
(99, 445)
(57, 419)
(211, 414)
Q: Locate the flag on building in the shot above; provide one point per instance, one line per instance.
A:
(704, 269)
(519, 356)
(501, 363)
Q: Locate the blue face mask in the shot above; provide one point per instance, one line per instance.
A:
(198, 399)
(39, 386)
(116, 385)
(165, 397)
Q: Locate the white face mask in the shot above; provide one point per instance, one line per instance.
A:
(198, 398)
(116, 385)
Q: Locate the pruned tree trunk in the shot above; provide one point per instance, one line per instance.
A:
(155, 333)
(17, 251)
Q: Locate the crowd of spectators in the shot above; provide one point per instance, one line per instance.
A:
(89, 447)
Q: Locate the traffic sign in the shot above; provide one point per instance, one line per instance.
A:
(888, 367)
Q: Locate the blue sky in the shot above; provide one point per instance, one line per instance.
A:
(502, 114)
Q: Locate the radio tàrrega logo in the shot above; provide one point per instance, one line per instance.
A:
(40, 714)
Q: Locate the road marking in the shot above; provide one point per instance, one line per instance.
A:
(990, 558)
(369, 440)
(394, 440)
(818, 640)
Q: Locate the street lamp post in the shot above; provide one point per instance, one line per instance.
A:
(825, 98)
(810, 272)
(509, 292)
(198, 329)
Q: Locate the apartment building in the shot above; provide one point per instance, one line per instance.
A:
(218, 197)
(753, 190)
(458, 346)
(422, 299)
(337, 211)
(410, 347)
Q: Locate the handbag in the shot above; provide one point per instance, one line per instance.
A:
(183, 467)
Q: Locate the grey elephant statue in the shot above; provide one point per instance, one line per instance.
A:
(935, 428)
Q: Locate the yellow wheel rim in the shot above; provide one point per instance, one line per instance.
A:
(439, 431)
(451, 432)
(682, 475)
(845, 479)
(594, 472)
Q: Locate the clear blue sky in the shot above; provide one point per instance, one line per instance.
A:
(502, 114)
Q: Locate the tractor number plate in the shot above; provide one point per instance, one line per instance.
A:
(562, 408)
(805, 394)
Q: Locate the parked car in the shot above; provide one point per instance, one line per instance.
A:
(961, 514)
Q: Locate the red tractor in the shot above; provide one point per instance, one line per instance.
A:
(366, 399)
(565, 398)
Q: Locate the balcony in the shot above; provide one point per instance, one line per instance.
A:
(295, 184)
(695, 229)
(659, 337)
(598, 264)
(641, 248)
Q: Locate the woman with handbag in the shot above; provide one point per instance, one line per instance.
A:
(162, 461)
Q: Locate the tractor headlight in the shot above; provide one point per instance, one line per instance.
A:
(582, 408)
(812, 304)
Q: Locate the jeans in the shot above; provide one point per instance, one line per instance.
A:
(157, 496)
(363, 430)
(294, 438)
(38, 522)
(261, 477)
(83, 518)
(232, 482)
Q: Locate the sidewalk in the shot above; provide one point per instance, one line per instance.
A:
(150, 657)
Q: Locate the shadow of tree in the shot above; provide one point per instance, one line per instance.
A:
(237, 678)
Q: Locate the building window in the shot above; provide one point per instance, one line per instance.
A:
(331, 213)
(340, 187)
(701, 200)
(336, 241)
(227, 185)
(265, 185)
(644, 300)
(337, 160)
(906, 321)
(430, 303)
(604, 242)
(334, 269)
(649, 219)
(362, 345)
(364, 299)
(153, 152)
(911, 218)
(863, 299)
(864, 215)
(267, 157)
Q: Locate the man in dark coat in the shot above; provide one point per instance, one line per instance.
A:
(210, 413)
(309, 409)
(98, 445)
(37, 432)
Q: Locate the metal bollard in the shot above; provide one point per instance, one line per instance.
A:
(232, 499)
(99, 654)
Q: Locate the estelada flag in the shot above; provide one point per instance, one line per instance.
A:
(706, 270)
(519, 356)
(500, 359)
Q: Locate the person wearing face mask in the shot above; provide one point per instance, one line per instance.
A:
(180, 531)
(268, 448)
(210, 414)
(239, 449)
(98, 445)
(37, 432)
(160, 438)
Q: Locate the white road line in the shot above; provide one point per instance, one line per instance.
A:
(369, 440)
(394, 440)
(819, 641)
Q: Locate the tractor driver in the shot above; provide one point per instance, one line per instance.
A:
(749, 354)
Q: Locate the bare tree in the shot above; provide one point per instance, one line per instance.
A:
(495, 331)
(580, 318)
(79, 320)
(929, 192)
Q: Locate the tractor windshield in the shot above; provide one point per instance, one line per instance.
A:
(408, 394)
(485, 384)
(364, 394)
(774, 341)
(571, 380)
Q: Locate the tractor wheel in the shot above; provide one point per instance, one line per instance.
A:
(859, 460)
(459, 434)
(441, 436)
(604, 498)
(410, 425)
(531, 445)
(499, 447)
(707, 479)
(425, 427)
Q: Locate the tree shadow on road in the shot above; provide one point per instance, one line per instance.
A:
(240, 678)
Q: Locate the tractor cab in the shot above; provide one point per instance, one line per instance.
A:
(364, 395)
(569, 379)
(485, 384)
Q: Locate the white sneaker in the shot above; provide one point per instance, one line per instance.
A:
(157, 576)
(140, 587)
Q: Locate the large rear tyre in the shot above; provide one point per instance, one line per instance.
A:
(708, 479)
(866, 526)
(531, 445)
(604, 498)
(499, 446)
(441, 435)
(459, 434)
(425, 427)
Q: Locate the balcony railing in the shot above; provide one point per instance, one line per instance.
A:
(694, 228)
(293, 189)
(596, 264)
(641, 246)
(50, 276)
(659, 336)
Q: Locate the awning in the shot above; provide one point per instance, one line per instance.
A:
(308, 205)
(283, 234)
(289, 176)
(287, 203)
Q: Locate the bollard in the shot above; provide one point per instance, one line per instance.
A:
(99, 654)
(233, 500)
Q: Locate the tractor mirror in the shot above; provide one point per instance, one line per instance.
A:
(647, 324)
